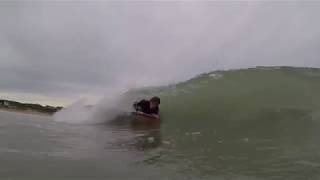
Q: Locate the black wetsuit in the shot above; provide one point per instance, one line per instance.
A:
(144, 106)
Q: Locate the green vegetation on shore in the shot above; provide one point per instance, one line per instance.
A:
(13, 105)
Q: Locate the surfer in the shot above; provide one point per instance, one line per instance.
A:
(148, 107)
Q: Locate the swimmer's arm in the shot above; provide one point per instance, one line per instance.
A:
(148, 115)
(155, 116)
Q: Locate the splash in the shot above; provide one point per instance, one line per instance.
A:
(77, 112)
(105, 110)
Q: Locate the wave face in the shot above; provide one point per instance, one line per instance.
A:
(262, 100)
(242, 122)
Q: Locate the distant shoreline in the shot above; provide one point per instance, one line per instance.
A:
(25, 112)
(27, 108)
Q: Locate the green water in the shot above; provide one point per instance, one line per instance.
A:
(260, 123)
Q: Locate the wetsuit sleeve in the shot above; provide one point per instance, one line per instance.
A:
(142, 106)
(154, 111)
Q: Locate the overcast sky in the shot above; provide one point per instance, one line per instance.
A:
(54, 53)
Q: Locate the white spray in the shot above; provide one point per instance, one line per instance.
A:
(107, 109)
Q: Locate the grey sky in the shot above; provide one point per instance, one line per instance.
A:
(56, 52)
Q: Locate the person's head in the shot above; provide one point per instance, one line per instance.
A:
(154, 102)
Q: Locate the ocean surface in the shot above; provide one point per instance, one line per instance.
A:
(258, 123)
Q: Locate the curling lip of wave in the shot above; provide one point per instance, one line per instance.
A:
(230, 95)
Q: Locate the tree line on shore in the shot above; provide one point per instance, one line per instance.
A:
(13, 105)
